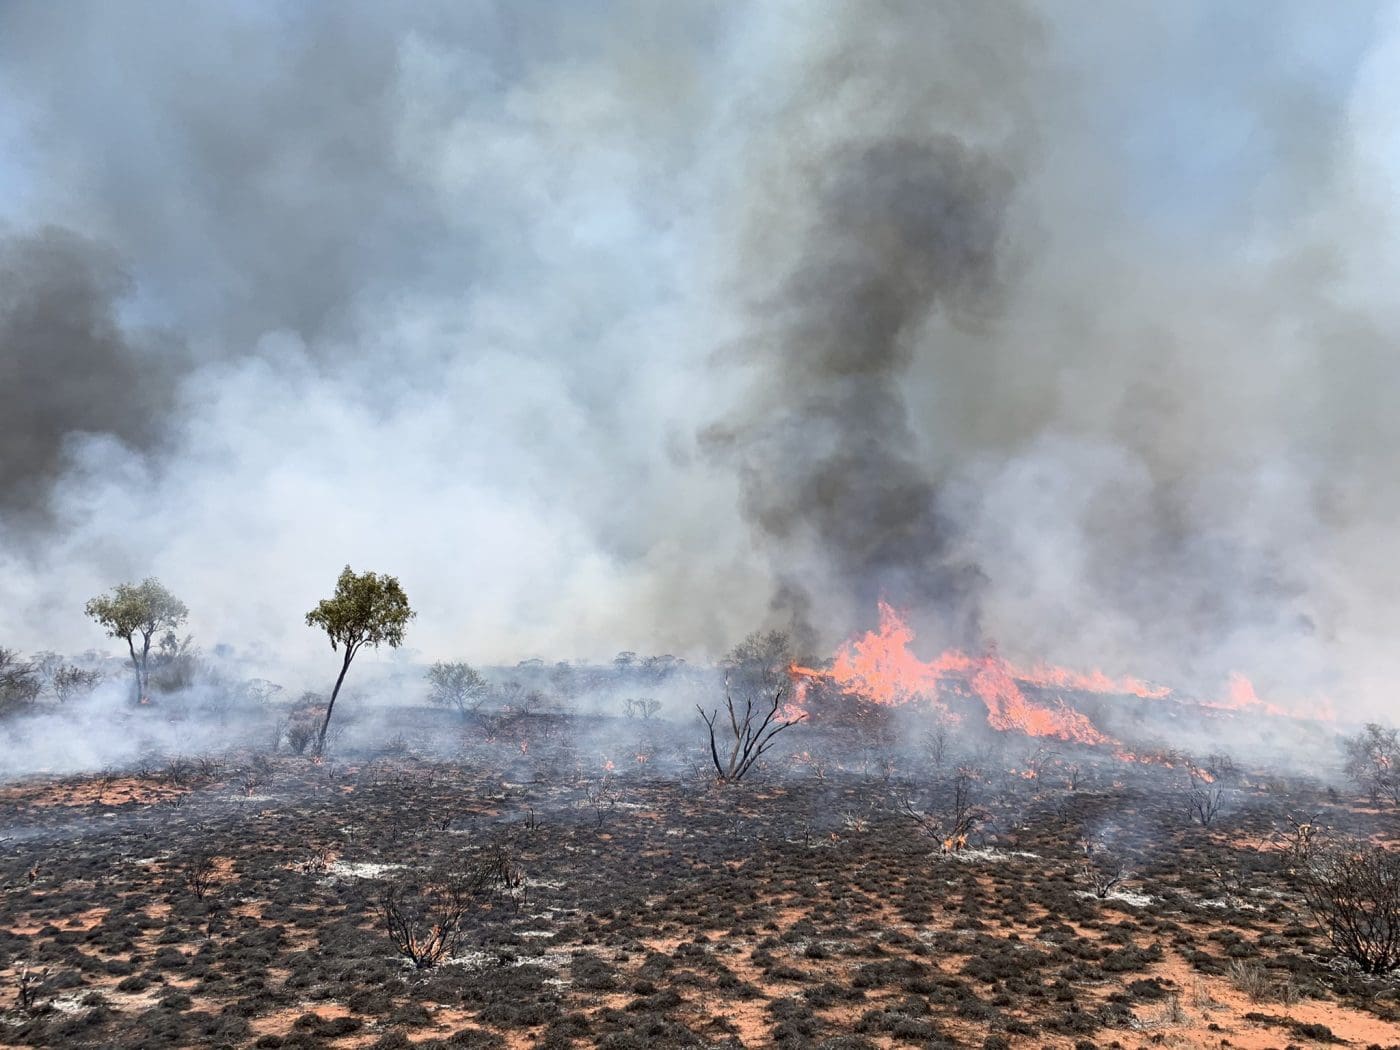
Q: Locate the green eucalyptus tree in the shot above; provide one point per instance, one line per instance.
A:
(141, 610)
(366, 609)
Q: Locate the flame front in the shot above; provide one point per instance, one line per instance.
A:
(881, 667)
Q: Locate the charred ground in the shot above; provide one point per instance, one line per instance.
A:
(239, 900)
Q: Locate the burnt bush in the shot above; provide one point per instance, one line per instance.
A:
(1353, 891)
(424, 916)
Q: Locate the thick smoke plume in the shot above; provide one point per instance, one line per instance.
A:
(634, 326)
(69, 367)
(882, 207)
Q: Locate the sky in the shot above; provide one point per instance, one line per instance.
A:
(630, 326)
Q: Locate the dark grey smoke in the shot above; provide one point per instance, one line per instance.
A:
(899, 230)
(68, 367)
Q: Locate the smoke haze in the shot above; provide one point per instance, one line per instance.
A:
(629, 326)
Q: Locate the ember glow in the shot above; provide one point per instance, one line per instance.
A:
(881, 667)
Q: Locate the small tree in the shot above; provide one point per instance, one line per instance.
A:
(19, 681)
(457, 685)
(175, 664)
(1204, 802)
(643, 707)
(145, 610)
(367, 609)
(1373, 762)
(759, 664)
(70, 682)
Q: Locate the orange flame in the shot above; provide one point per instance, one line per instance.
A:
(881, 667)
(1240, 696)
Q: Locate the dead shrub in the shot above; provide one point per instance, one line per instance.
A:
(200, 875)
(961, 817)
(1204, 802)
(424, 916)
(1252, 979)
(1104, 869)
(1353, 891)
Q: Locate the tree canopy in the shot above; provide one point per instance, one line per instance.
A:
(458, 685)
(759, 664)
(143, 609)
(366, 609)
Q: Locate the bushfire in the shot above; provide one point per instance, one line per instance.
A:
(881, 667)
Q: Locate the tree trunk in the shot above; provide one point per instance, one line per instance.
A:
(326, 724)
(144, 673)
(136, 666)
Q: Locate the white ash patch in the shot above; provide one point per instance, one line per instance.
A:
(1222, 903)
(349, 870)
(250, 798)
(68, 1004)
(1137, 900)
(987, 855)
(474, 959)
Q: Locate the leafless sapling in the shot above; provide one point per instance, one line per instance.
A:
(69, 682)
(29, 985)
(1221, 766)
(935, 745)
(254, 775)
(19, 681)
(601, 796)
(425, 922)
(953, 831)
(1102, 867)
(1036, 761)
(1204, 800)
(1235, 873)
(1301, 839)
(318, 861)
(752, 727)
(201, 875)
(644, 708)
